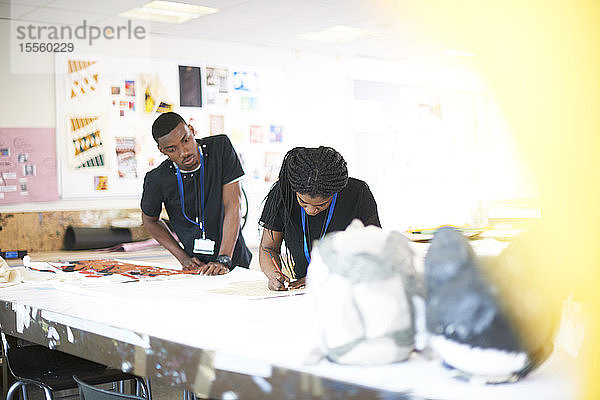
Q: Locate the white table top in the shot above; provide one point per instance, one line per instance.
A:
(246, 334)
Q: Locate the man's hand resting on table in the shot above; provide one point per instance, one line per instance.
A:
(195, 265)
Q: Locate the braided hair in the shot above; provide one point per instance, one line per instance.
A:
(319, 171)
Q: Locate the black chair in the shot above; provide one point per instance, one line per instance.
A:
(52, 370)
(89, 392)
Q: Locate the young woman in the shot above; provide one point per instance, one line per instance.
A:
(313, 196)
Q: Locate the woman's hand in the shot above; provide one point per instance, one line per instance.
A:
(278, 281)
(298, 284)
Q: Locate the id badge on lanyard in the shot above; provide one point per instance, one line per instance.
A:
(202, 245)
(303, 216)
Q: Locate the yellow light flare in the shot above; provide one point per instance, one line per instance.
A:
(542, 61)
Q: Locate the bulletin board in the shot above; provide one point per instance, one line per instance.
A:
(27, 165)
(106, 106)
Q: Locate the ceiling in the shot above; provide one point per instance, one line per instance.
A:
(267, 23)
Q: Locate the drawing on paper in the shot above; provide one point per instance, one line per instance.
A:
(129, 88)
(245, 81)
(83, 78)
(256, 134)
(156, 98)
(126, 161)
(217, 85)
(275, 134)
(101, 183)
(86, 149)
(217, 124)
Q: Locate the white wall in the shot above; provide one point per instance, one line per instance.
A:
(316, 104)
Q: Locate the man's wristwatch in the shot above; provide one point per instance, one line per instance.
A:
(225, 260)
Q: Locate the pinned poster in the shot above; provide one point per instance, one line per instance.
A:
(245, 81)
(272, 165)
(101, 183)
(218, 78)
(248, 103)
(275, 134)
(126, 160)
(217, 124)
(83, 78)
(236, 135)
(217, 85)
(86, 149)
(129, 88)
(156, 98)
(256, 134)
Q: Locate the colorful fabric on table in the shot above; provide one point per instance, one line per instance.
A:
(104, 267)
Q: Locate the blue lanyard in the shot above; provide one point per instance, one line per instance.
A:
(303, 215)
(180, 185)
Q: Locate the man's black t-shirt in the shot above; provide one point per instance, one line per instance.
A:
(354, 201)
(221, 166)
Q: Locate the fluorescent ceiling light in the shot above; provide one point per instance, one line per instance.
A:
(338, 34)
(459, 53)
(168, 11)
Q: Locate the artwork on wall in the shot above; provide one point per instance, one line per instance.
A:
(122, 101)
(126, 160)
(256, 134)
(236, 135)
(219, 78)
(129, 88)
(248, 103)
(27, 165)
(272, 165)
(245, 81)
(86, 149)
(217, 85)
(83, 78)
(275, 134)
(107, 130)
(156, 97)
(217, 124)
(100, 183)
(190, 86)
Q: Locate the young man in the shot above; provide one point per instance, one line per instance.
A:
(199, 187)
